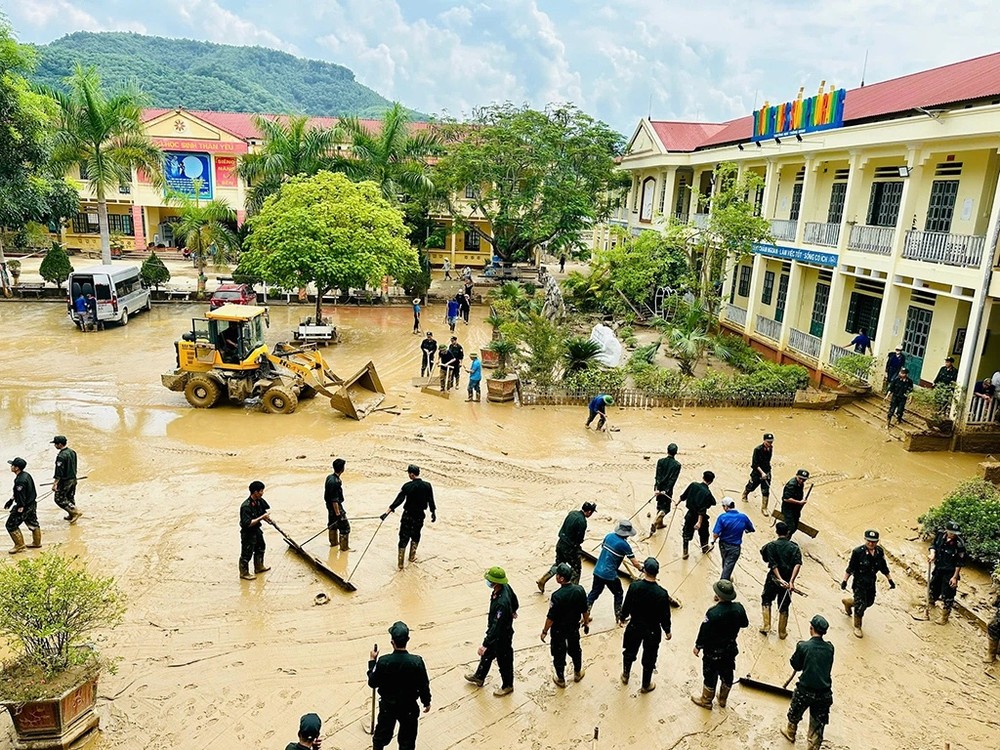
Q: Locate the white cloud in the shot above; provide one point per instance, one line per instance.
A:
(457, 16)
(211, 22)
(41, 13)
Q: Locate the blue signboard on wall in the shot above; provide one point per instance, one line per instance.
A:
(795, 253)
(181, 169)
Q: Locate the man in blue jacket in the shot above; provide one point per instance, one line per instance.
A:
(598, 406)
(728, 532)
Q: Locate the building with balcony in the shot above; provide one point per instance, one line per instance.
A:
(884, 215)
(207, 146)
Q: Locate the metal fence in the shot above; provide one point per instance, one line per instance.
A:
(784, 229)
(877, 240)
(804, 343)
(768, 327)
(736, 315)
(942, 247)
(983, 411)
(631, 398)
(822, 233)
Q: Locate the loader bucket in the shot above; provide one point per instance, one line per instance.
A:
(358, 395)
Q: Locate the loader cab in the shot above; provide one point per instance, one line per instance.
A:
(232, 332)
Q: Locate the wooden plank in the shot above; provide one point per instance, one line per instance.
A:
(592, 558)
(803, 527)
(319, 564)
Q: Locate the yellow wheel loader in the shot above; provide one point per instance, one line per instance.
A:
(224, 357)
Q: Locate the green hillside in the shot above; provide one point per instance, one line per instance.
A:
(201, 75)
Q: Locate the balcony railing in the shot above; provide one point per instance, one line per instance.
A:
(681, 216)
(983, 411)
(876, 240)
(784, 229)
(942, 247)
(839, 352)
(822, 233)
(736, 315)
(699, 220)
(804, 343)
(768, 327)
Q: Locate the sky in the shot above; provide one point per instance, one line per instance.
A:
(706, 61)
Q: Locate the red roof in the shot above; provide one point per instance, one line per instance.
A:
(241, 124)
(968, 80)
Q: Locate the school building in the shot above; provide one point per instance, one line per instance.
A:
(883, 206)
(207, 146)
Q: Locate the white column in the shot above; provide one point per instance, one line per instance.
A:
(669, 181)
(756, 285)
(793, 301)
(831, 324)
(889, 333)
(695, 187)
(808, 187)
(770, 190)
(855, 177)
(907, 201)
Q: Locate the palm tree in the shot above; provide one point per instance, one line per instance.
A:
(689, 337)
(291, 147)
(391, 156)
(205, 229)
(580, 353)
(103, 133)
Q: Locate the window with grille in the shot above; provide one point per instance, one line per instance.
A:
(863, 313)
(941, 207)
(471, 191)
(745, 272)
(663, 195)
(82, 225)
(758, 201)
(121, 224)
(820, 302)
(779, 305)
(838, 195)
(765, 296)
(472, 239)
(793, 214)
(883, 205)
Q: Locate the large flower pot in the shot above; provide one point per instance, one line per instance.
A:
(499, 390)
(489, 358)
(57, 723)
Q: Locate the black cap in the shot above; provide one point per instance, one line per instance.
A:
(59, 440)
(309, 726)
(18, 462)
(651, 565)
(952, 526)
(589, 507)
(819, 624)
(871, 535)
(399, 633)
(949, 359)
(802, 473)
(768, 436)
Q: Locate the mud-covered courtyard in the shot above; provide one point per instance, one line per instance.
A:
(208, 660)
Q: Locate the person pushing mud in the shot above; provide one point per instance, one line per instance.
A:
(402, 683)
(253, 512)
(698, 498)
(418, 497)
(668, 469)
(337, 524)
(760, 472)
(571, 536)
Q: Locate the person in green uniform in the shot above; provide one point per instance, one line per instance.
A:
(947, 555)
(401, 680)
(571, 536)
(784, 560)
(647, 609)
(897, 390)
(698, 498)
(23, 506)
(337, 524)
(499, 641)
(418, 497)
(866, 562)
(717, 638)
(793, 500)
(760, 472)
(253, 512)
(993, 634)
(814, 690)
(668, 469)
(567, 614)
(309, 726)
(64, 479)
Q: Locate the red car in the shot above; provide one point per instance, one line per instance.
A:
(233, 294)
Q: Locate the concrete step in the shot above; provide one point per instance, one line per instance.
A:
(873, 411)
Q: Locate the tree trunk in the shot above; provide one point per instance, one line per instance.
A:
(102, 221)
(3, 268)
(320, 291)
(200, 294)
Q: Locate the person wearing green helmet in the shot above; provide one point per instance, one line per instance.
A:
(598, 405)
(499, 641)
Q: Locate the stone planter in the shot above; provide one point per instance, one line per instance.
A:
(500, 390)
(57, 723)
(489, 358)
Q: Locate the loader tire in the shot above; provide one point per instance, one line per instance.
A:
(202, 392)
(279, 400)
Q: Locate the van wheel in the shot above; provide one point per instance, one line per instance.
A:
(124, 318)
(149, 303)
(279, 400)
(202, 392)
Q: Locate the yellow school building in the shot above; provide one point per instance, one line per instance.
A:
(883, 206)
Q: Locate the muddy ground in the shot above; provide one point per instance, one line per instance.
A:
(212, 661)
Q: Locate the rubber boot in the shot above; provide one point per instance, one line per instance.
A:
(745, 496)
(626, 673)
(559, 680)
(706, 699)
(815, 737)
(258, 563)
(724, 694)
(543, 580)
(344, 542)
(857, 627)
(782, 625)
(764, 501)
(765, 613)
(848, 603)
(657, 524)
(18, 539)
(684, 554)
(245, 573)
(578, 674)
(945, 615)
(334, 537)
(413, 551)
(789, 731)
(399, 561)
(991, 650)
(36, 538)
(74, 514)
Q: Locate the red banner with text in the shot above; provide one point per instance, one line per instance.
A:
(225, 171)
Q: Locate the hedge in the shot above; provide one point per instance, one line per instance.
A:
(975, 506)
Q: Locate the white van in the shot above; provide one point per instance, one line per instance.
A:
(118, 291)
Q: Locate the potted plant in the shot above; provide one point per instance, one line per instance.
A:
(14, 266)
(49, 606)
(501, 385)
(854, 372)
(487, 356)
(935, 405)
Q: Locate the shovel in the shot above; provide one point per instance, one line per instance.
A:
(371, 730)
(768, 687)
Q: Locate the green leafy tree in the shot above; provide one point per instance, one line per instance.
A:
(328, 231)
(541, 345)
(291, 148)
(55, 267)
(103, 132)
(154, 271)
(688, 335)
(581, 353)
(206, 231)
(975, 506)
(393, 154)
(538, 177)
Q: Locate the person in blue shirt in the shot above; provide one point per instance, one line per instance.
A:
(416, 315)
(614, 550)
(80, 307)
(728, 532)
(598, 405)
(861, 342)
(452, 315)
(475, 370)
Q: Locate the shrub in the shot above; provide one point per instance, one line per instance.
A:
(504, 350)
(657, 381)
(154, 272)
(541, 349)
(975, 506)
(597, 380)
(55, 266)
(853, 370)
(741, 355)
(936, 402)
(580, 353)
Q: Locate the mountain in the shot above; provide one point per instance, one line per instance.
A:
(202, 75)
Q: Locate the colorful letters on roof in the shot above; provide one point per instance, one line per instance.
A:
(821, 112)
